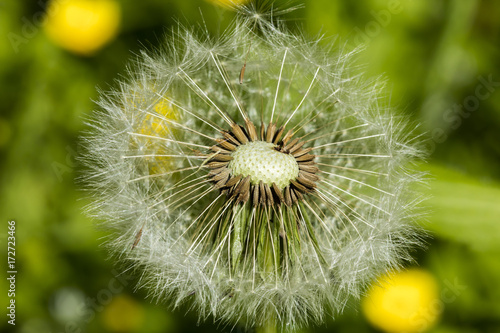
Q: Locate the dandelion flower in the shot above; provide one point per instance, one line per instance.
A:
(256, 176)
(405, 301)
(82, 26)
(229, 3)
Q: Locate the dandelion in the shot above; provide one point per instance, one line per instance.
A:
(229, 3)
(82, 26)
(256, 176)
(405, 301)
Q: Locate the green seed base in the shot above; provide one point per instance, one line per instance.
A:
(260, 161)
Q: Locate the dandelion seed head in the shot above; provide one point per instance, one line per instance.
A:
(273, 195)
(260, 161)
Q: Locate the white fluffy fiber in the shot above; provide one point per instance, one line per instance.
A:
(362, 211)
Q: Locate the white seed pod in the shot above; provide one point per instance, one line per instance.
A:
(256, 176)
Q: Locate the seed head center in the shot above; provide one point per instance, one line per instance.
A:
(260, 161)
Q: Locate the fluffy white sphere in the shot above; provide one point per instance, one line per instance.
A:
(240, 240)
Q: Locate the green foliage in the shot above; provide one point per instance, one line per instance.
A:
(464, 210)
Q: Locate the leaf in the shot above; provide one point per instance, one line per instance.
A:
(464, 209)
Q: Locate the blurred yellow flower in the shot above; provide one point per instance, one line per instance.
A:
(159, 124)
(82, 26)
(405, 301)
(229, 3)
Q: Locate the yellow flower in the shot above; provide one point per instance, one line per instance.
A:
(159, 124)
(229, 3)
(405, 301)
(82, 26)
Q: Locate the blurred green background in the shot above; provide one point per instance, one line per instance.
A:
(441, 59)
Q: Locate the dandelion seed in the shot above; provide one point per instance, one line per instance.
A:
(270, 201)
